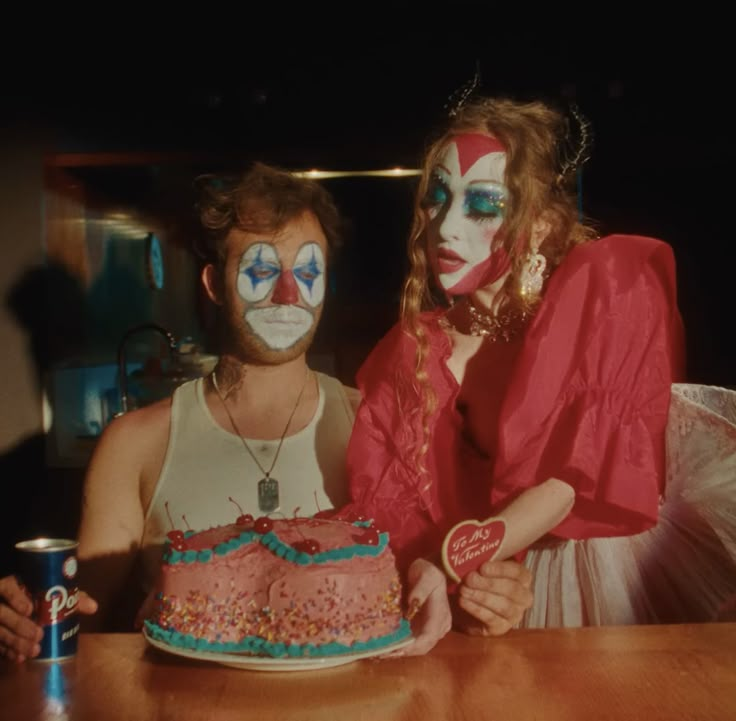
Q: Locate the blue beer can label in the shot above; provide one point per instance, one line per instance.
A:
(48, 569)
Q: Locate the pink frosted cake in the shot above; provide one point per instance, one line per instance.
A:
(302, 587)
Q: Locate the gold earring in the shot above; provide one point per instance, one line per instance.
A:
(531, 277)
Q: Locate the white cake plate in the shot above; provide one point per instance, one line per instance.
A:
(266, 663)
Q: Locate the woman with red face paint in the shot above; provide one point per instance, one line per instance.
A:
(531, 378)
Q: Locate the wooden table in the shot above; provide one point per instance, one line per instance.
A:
(672, 673)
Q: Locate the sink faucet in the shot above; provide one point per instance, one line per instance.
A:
(122, 366)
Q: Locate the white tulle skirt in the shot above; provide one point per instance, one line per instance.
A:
(683, 569)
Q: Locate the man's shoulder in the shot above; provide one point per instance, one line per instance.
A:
(146, 423)
(131, 448)
(351, 394)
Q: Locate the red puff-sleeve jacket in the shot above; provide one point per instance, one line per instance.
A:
(584, 398)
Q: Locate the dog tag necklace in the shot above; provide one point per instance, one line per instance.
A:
(268, 487)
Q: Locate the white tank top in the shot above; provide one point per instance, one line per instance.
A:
(205, 464)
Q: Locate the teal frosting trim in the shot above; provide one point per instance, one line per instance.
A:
(173, 556)
(261, 647)
(271, 541)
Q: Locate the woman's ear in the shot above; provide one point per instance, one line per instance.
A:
(212, 282)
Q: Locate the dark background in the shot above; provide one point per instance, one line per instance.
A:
(361, 86)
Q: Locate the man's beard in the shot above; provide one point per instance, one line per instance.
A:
(241, 339)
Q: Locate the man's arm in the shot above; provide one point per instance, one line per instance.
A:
(119, 480)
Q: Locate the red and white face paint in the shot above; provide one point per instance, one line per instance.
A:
(292, 293)
(465, 205)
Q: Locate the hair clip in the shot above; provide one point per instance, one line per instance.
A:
(575, 151)
(460, 96)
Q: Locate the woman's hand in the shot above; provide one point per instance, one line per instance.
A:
(427, 593)
(495, 597)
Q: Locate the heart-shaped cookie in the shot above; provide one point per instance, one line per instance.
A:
(469, 544)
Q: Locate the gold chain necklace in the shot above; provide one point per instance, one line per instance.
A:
(268, 488)
(504, 326)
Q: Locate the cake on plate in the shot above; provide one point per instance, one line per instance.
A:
(301, 587)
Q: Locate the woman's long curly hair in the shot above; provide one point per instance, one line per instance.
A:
(538, 176)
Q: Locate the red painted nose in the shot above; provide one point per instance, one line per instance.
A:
(285, 292)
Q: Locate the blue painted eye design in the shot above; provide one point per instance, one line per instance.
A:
(437, 193)
(261, 270)
(308, 272)
(483, 204)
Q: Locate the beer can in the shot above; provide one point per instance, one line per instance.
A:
(48, 569)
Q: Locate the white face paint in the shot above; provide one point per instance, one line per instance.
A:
(262, 276)
(280, 326)
(465, 208)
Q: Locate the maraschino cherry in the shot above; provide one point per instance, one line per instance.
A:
(263, 525)
(244, 519)
(308, 545)
(175, 536)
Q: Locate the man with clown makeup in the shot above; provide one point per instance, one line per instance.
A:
(263, 433)
(529, 387)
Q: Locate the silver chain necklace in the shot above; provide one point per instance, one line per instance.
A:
(268, 488)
